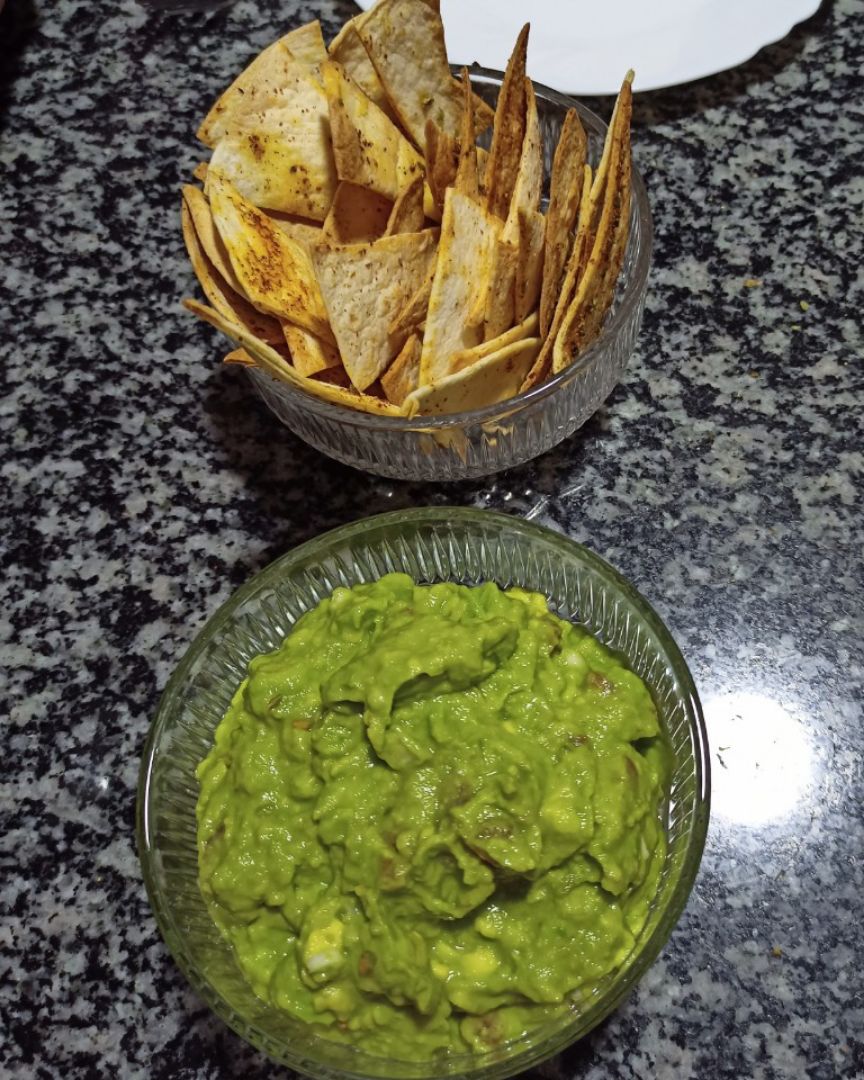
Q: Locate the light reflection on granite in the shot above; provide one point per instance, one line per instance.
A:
(145, 482)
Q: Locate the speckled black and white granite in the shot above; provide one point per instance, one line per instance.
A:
(142, 482)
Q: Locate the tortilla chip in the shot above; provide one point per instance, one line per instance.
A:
(364, 287)
(496, 377)
(306, 44)
(575, 268)
(529, 269)
(529, 173)
(357, 214)
(309, 354)
(238, 356)
(368, 147)
(255, 88)
(403, 375)
(564, 195)
(200, 171)
(500, 311)
(350, 53)
(442, 162)
(405, 42)
(596, 289)
(280, 158)
(229, 303)
(208, 237)
(467, 179)
(304, 232)
(508, 133)
(274, 270)
(414, 311)
(266, 357)
(407, 215)
(525, 329)
(454, 319)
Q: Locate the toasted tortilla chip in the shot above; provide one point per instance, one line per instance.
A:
(364, 287)
(596, 289)
(405, 42)
(442, 162)
(403, 375)
(273, 269)
(200, 171)
(496, 377)
(350, 53)
(500, 311)
(467, 180)
(357, 214)
(309, 354)
(529, 269)
(407, 215)
(225, 299)
(564, 195)
(414, 311)
(260, 85)
(238, 356)
(266, 357)
(306, 44)
(280, 158)
(508, 133)
(304, 232)
(454, 318)
(525, 329)
(575, 267)
(208, 237)
(368, 148)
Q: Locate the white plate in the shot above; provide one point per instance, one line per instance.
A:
(582, 47)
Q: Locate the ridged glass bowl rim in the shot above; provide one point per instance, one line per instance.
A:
(631, 297)
(533, 1053)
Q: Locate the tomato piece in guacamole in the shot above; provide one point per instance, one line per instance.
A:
(432, 816)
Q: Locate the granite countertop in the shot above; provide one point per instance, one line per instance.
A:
(143, 482)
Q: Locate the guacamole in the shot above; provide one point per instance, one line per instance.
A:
(432, 816)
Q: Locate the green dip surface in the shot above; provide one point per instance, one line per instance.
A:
(432, 816)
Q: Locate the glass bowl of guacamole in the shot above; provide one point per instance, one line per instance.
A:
(425, 798)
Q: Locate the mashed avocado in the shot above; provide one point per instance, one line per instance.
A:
(432, 816)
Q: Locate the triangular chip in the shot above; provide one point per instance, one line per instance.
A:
(260, 84)
(525, 329)
(364, 287)
(442, 162)
(200, 171)
(454, 319)
(266, 357)
(500, 312)
(226, 300)
(508, 133)
(529, 173)
(273, 269)
(407, 214)
(238, 356)
(403, 375)
(529, 270)
(299, 229)
(208, 236)
(593, 297)
(357, 214)
(414, 311)
(350, 53)
(495, 378)
(575, 268)
(405, 42)
(368, 147)
(281, 158)
(564, 194)
(467, 180)
(309, 354)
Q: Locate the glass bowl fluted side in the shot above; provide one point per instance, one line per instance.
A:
(496, 437)
(441, 544)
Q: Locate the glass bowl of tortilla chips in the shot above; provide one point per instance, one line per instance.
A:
(441, 544)
(480, 440)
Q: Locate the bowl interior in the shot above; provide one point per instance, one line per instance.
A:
(441, 544)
